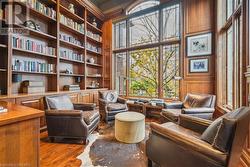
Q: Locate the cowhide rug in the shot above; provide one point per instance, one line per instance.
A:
(103, 150)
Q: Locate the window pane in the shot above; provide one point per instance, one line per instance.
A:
(171, 22)
(144, 29)
(229, 8)
(171, 71)
(120, 73)
(144, 5)
(120, 35)
(230, 67)
(143, 72)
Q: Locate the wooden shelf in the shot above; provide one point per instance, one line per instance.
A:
(73, 16)
(72, 30)
(3, 46)
(93, 28)
(93, 40)
(69, 44)
(92, 52)
(95, 65)
(29, 72)
(93, 76)
(37, 33)
(36, 13)
(32, 52)
(73, 61)
(71, 75)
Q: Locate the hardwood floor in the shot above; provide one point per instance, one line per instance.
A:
(59, 154)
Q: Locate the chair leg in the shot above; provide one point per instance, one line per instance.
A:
(150, 163)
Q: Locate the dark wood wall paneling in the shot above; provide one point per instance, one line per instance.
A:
(198, 18)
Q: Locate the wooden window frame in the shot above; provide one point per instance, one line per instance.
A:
(160, 44)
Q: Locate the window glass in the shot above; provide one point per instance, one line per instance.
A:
(171, 71)
(143, 5)
(229, 8)
(143, 72)
(144, 29)
(230, 66)
(171, 22)
(120, 35)
(120, 73)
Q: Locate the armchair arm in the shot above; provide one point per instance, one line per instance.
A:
(194, 123)
(175, 105)
(103, 102)
(121, 100)
(197, 110)
(71, 113)
(189, 142)
(84, 106)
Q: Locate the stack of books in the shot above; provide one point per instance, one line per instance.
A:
(32, 66)
(31, 45)
(71, 87)
(33, 87)
(69, 22)
(70, 55)
(71, 39)
(40, 7)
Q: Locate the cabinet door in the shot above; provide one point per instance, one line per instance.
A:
(85, 98)
(96, 98)
(74, 97)
(33, 102)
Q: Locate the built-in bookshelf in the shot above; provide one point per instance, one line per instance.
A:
(61, 44)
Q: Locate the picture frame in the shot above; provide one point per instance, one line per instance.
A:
(199, 45)
(199, 65)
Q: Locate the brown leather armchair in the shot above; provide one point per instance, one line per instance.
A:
(197, 105)
(196, 142)
(110, 105)
(67, 120)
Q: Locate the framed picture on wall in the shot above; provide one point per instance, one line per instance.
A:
(198, 65)
(199, 45)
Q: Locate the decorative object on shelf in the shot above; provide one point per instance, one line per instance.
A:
(16, 78)
(67, 71)
(94, 85)
(31, 24)
(94, 23)
(91, 60)
(71, 87)
(198, 65)
(33, 87)
(2, 109)
(71, 8)
(199, 45)
(78, 79)
(72, 24)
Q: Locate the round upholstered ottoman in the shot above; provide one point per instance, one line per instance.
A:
(130, 127)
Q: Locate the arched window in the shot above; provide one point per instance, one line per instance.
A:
(143, 5)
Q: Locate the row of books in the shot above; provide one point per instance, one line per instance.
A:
(93, 48)
(32, 66)
(69, 22)
(94, 36)
(40, 7)
(28, 44)
(70, 55)
(71, 39)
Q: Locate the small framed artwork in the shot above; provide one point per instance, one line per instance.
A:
(199, 45)
(198, 65)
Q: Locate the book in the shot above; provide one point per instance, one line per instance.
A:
(33, 89)
(33, 83)
(71, 87)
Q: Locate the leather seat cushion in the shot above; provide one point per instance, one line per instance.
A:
(60, 103)
(194, 101)
(115, 106)
(90, 116)
(171, 114)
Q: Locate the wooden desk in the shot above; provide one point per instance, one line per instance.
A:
(19, 135)
(147, 109)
